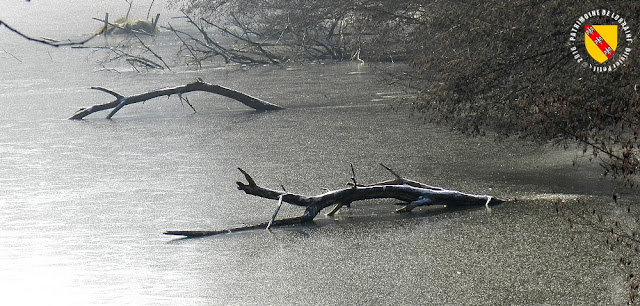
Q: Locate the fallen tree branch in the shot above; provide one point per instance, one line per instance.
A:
(47, 41)
(412, 194)
(198, 85)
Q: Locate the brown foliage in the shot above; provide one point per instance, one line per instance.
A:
(503, 66)
(506, 66)
(311, 29)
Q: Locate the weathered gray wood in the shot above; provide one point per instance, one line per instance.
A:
(202, 233)
(412, 194)
(106, 24)
(275, 213)
(154, 22)
(198, 85)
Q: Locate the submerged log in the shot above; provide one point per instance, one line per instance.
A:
(399, 189)
(412, 194)
(198, 85)
(264, 225)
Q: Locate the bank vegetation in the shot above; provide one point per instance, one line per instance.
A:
(501, 66)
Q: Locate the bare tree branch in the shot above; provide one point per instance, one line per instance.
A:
(46, 41)
(198, 85)
(400, 189)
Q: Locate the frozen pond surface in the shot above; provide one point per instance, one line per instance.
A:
(84, 203)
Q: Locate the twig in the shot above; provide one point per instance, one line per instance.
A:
(152, 52)
(121, 103)
(392, 172)
(149, 11)
(275, 213)
(109, 23)
(248, 177)
(184, 43)
(132, 59)
(335, 209)
(129, 10)
(488, 201)
(209, 43)
(186, 100)
(109, 91)
(272, 59)
(353, 176)
(5, 51)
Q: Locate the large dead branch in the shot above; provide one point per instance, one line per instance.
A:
(412, 194)
(198, 85)
(47, 41)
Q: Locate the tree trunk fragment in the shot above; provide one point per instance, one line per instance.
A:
(412, 194)
(198, 85)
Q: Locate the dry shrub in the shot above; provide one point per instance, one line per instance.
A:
(506, 66)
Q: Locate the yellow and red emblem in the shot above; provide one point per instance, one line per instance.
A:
(601, 41)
